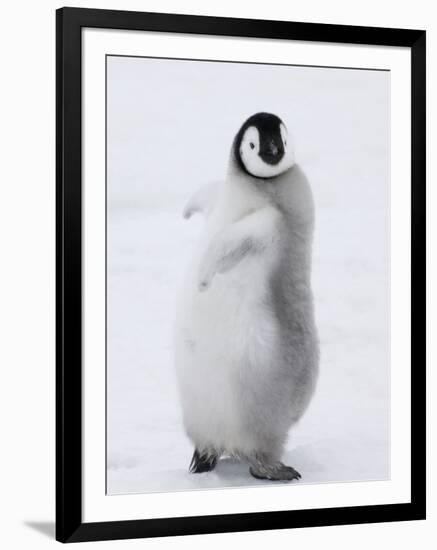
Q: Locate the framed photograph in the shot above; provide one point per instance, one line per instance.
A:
(240, 274)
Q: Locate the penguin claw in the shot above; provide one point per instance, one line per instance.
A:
(280, 473)
(202, 462)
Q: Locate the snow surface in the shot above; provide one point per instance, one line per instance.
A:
(170, 126)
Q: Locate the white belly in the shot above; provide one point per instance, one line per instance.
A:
(223, 336)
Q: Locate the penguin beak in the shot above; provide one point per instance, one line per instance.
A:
(273, 149)
(272, 153)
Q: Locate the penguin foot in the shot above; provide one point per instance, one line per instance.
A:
(274, 472)
(203, 462)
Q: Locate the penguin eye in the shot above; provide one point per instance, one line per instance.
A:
(252, 145)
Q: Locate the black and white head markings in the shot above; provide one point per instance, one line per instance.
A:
(262, 148)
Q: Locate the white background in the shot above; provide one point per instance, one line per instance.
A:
(164, 142)
(96, 506)
(27, 290)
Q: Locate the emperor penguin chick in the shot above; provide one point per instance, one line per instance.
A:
(246, 346)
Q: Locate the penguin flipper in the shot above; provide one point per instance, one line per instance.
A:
(246, 236)
(202, 462)
(202, 201)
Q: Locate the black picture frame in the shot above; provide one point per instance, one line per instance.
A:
(69, 525)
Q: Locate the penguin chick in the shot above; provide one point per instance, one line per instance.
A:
(246, 347)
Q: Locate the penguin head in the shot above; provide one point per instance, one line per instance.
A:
(262, 148)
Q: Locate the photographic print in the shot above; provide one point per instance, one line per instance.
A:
(248, 274)
(240, 275)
